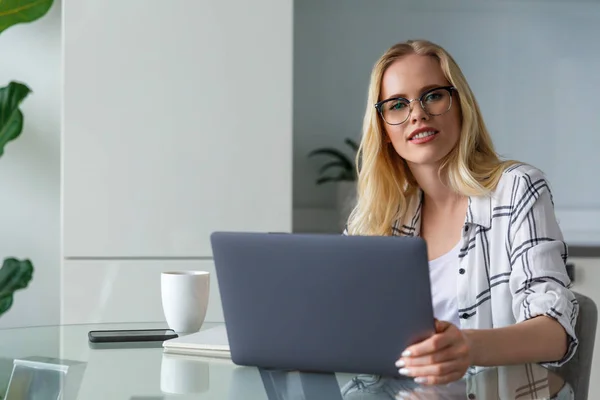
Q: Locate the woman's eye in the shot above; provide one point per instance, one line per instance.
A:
(435, 96)
(396, 105)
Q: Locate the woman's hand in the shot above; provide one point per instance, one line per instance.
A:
(442, 358)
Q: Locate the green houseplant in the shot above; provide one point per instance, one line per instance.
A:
(342, 165)
(340, 169)
(15, 274)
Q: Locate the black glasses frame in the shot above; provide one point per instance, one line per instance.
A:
(379, 105)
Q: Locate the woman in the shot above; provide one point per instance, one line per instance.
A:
(497, 256)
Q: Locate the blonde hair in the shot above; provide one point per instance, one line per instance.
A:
(385, 185)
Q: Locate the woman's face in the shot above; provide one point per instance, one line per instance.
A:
(422, 138)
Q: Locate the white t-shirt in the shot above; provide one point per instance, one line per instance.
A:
(443, 276)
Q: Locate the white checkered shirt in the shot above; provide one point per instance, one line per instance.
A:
(512, 261)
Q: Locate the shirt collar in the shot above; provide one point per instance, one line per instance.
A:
(478, 212)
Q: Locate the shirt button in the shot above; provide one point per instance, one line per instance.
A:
(472, 396)
(466, 228)
(461, 271)
(465, 316)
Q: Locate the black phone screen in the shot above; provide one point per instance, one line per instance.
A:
(133, 335)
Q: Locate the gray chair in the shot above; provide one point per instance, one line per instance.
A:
(578, 370)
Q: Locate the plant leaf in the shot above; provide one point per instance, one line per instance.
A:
(14, 12)
(14, 275)
(326, 179)
(332, 164)
(342, 176)
(352, 144)
(11, 118)
(335, 153)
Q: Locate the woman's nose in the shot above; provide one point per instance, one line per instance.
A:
(417, 113)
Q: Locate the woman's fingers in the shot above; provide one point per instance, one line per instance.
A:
(441, 358)
(435, 374)
(447, 354)
(441, 326)
(433, 344)
(437, 370)
(439, 380)
(446, 335)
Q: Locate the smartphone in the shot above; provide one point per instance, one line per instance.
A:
(131, 335)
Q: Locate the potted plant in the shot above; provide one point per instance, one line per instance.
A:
(341, 171)
(15, 274)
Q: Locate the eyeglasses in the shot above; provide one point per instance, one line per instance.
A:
(436, 101)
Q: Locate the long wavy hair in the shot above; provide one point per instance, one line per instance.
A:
(385, 184)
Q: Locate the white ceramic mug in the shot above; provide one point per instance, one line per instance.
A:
(185, 299)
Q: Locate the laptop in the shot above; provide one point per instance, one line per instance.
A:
(322, 302)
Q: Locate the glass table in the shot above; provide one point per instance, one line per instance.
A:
(41, 362)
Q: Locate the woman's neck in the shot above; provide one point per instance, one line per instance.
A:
(437, 195)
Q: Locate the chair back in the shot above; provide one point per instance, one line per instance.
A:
(577, 370)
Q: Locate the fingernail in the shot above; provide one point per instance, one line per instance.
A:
(400, 363)
(403, 371)
(406, 353)
(420, 379)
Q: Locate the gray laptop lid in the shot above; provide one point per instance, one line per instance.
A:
(327, 303)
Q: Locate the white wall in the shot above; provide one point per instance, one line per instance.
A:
(30, 168)
(531, 79)
(177, 123)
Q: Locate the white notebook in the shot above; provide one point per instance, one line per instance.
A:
(210, 342)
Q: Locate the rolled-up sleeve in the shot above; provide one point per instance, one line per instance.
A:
(539, 282)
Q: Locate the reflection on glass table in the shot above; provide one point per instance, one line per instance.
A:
(44, 378)
(136, 372)
(513, 382)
